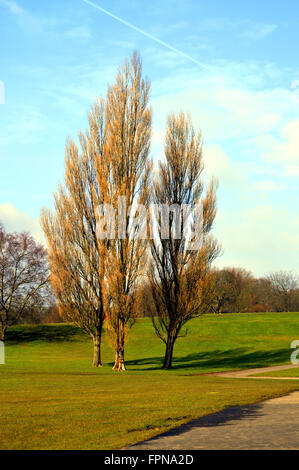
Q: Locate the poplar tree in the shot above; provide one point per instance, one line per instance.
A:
(76, 255)
(128, 143)
(182, 280)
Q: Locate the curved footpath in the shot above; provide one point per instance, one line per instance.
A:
(271, 424)
(250, 373)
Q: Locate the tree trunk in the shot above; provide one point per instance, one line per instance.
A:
(169, 352)
(119, 363)
(97, 348)
(2, 332)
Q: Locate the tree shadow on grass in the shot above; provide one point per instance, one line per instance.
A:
(47, 333)
(239, 358)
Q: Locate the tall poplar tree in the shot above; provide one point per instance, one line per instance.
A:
(128, 119)
(182, 280)
(76, 255)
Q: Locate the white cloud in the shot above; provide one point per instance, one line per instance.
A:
(15, 220)
(290, 134)
(218, 164)
(25, 125)
(79, 32)
(269, 185)
(226, 107)
(246, 29)
(123, 44)
(259, 31)
(282, 148)
(249, 133)
(25, 19)
(32, 23)
(263, 239)
(13, 7)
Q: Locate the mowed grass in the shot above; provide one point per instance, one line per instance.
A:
(281, 373)
(52, 398)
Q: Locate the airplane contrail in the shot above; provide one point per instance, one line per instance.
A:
(150, 36)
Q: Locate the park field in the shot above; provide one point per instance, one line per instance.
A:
(52, 398)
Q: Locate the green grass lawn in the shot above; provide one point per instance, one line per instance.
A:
(281, 373)
(52, 398)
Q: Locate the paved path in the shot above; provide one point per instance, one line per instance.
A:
(272, 424)
(251, 372)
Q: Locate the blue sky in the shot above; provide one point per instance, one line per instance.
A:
(58, 56)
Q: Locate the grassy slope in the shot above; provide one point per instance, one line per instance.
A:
(52, 398)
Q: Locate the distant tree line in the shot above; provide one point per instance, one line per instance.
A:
(237, 290)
